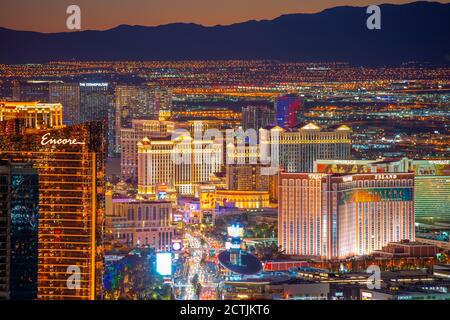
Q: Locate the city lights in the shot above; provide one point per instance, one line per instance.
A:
(259, 153)
(164, 263)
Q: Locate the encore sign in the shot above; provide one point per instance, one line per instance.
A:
(45, 140)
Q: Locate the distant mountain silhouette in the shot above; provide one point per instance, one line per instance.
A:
(418, 31)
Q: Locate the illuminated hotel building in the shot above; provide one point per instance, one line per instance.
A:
(132, 102)
(243, 199)
(67, 94)
(247, 177)
(32, 90)
(209, 114)
(432, 181)
(130, 137)
(136, 223)
(256, 117)
(36, 115)
(432, 196)
(333, 216)
(299, 148)
(96, 104)
(18, 231)
(162, 99)
(180, 163)
(70, 165)
(288, 110)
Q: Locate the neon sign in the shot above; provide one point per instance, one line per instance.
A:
(385, 176)
(45, 140)
(315, 176)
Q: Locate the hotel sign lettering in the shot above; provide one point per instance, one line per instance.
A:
(385, 176)
(47, 140)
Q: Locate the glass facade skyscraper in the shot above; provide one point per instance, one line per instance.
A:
(19, 197)
(67, 94)
(96, 104)
(288, 110)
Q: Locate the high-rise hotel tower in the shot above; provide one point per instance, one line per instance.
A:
(298, 148)
(70, 165)
(334, 216)
(180, 163)
(129, 138)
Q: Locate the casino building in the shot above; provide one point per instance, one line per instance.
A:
(35, 115)
(298, 148)
(180, 163)
(129, 138)
(332, 216)
(70, 166)
(134, 223)
(431, 181)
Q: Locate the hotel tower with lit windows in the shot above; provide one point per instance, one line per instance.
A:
(180, 163)
(70, 165)
(298, 148)
(332, 216)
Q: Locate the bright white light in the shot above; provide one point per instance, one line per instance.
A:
(164, 263)
(176, 246)
(236, 231)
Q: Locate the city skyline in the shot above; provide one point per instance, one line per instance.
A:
(304, 157)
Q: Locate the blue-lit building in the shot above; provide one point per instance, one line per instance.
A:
(288, 110)
(18, 231)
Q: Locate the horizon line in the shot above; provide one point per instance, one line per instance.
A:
(222, 25)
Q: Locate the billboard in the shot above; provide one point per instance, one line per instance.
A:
(433, 168)
(161, 192)
(344, 168)
(377, 195)
(164, 263)
(235, 231)
(207, 198)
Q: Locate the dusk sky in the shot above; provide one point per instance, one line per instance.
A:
(50, 15)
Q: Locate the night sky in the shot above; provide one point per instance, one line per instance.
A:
(50, 15)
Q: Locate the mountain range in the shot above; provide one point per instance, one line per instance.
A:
(418, 31)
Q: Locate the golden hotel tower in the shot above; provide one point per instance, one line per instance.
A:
(70, 165)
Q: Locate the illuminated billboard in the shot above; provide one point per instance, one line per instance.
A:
(433, 169)
(207, 198)
(377, 195)
(235, 231)
(164, 263)
(161, 192)
(344, 168)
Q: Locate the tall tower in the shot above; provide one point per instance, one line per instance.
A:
(299, 148)
(336, 216)
(19, 200)
(67, 94)
(70, 165)
(96, 104)
(288, 110)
